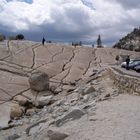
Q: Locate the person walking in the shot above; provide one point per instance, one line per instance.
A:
(43, 41)
(127, 62)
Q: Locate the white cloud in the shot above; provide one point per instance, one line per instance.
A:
(69, 19)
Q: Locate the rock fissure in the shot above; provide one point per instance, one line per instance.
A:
(33, 125)
(87, 67)
(12, 97)
(15, 72)
(33, 57)
(5, 92)
(71, 58)
(56, 54)
(66, 74)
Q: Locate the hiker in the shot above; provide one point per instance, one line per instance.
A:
(43, 41)
(127, 62)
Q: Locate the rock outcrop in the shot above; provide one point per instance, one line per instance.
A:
(130, 42)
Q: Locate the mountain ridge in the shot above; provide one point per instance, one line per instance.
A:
(130, 42)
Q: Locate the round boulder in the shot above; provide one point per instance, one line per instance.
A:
(39, 81)
(16, 111)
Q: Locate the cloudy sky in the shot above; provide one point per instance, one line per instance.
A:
(68, 20)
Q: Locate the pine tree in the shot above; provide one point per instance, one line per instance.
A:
(99, 42)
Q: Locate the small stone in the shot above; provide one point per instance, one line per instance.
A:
(115, 93)
(57, 90)
(86, 98)
(54, 135)
(79, 89)
(88, 90)
(21, 100)
(39, 81)
(92, 118)
(12, 137)
(16, 111)
(30, 112)
(60, 111)
(60, 102)
(98, 100)
(135, 93)
(68, 88)
(49, 109)
(87, 106)
(107, 95)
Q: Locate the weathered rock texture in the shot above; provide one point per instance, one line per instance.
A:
(71, 72)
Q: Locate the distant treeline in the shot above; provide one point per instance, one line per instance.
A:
(17, 37)
(21, 37)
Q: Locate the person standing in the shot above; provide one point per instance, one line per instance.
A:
(43, 41)
(127, 62)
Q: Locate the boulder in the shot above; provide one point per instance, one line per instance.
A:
(22, 101)
(39, 81)
(54, 135)
(73, 115)
(43, 101)
(88, 90)
(12, 137)
(16, 111)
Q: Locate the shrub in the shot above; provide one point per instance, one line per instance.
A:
(131, 47)
(20, 37)
(2, 37)
(99, 41)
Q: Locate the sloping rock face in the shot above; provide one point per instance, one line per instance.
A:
(77, 79)
(130, 42)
